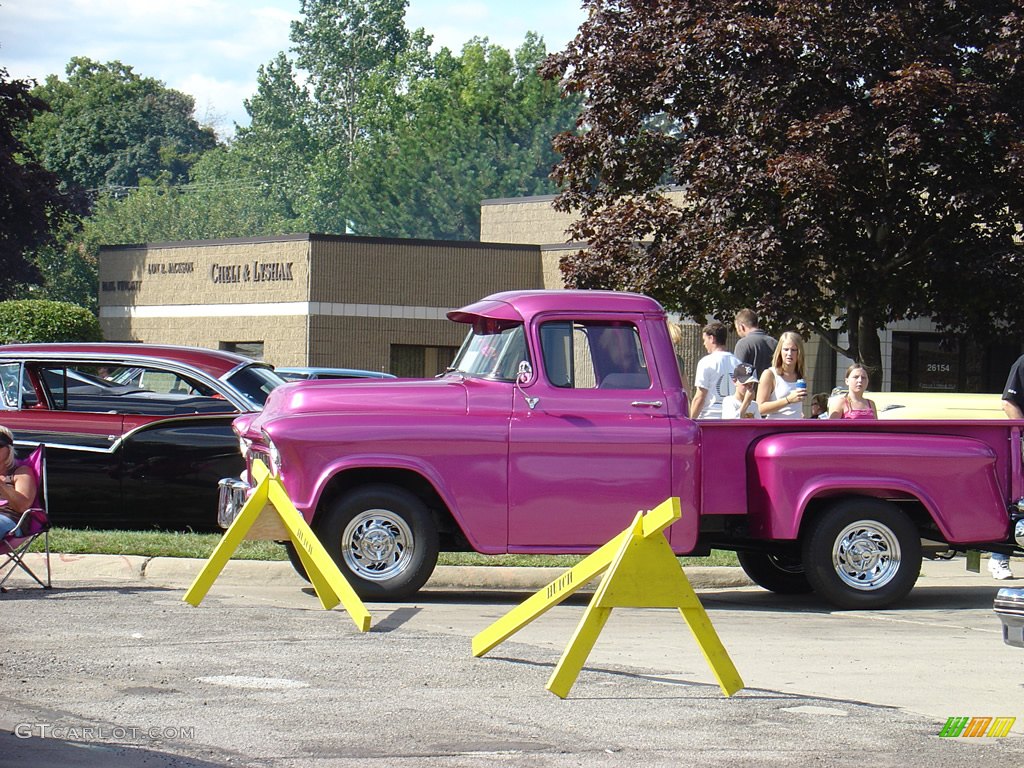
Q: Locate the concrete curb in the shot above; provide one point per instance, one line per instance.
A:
(181, 572)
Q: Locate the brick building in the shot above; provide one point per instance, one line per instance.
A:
(317, 300)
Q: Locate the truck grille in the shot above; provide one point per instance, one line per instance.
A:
(258, 453)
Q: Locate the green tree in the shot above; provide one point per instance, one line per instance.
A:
(46, 321)
(859, 161)
(471, 127)
(278, 148)
(109, 127)
(31, 202)
(349, 53)
(217, 205)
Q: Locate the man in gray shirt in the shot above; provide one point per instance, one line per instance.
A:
(755, 347)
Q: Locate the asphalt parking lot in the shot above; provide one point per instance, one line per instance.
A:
(114, 669)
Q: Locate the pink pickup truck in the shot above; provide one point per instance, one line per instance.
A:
(563, 414)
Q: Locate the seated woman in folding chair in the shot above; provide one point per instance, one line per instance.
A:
(17, 485)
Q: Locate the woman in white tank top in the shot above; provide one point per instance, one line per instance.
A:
(777, 397)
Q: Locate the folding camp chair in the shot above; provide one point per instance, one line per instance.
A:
(34, 522)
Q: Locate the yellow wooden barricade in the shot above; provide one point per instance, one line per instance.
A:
(642, 571)
(269, 498)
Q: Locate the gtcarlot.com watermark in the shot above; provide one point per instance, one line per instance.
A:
(103, 732)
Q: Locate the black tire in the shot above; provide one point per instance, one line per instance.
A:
(295, 560)
(862, 553)
(384, 540)
(776, 573)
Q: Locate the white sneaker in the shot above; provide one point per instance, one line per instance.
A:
(1000, 569)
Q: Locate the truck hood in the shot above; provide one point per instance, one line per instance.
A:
(447, 395)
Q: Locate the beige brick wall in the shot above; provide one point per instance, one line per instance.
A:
(365, 342)
(205, 273)
(531, 220)
(418, 273)
(523, 220)
(284, 338)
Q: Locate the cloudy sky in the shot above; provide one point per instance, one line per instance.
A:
(212, 48)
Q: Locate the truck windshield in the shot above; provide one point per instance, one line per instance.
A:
(493, 353)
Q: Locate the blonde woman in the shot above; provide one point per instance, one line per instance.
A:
(17, 484)
(778, 397)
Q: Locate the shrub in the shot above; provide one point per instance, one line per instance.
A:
(32, 320)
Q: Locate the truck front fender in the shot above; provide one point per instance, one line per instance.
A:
(351, 470)
(953, 478)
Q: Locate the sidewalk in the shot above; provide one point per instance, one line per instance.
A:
(180, 572)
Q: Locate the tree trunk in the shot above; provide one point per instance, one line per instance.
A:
(869, 347)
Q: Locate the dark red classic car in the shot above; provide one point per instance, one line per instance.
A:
(137, 435)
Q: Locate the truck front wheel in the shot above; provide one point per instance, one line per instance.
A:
(862, 553)
(776, 573)
(384, 540)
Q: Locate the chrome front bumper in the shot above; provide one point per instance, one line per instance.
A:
(1009, 607)
(231, 497)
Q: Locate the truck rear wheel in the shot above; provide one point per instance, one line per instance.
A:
(295, 560)
(776, 573)
(384, 540)
(862, 553)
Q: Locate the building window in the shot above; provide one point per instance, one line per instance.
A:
(410, 361)
(252, 349)
(930, 362)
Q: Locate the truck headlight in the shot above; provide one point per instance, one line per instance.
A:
(273, 455)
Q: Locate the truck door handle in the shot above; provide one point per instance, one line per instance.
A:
(647, 404)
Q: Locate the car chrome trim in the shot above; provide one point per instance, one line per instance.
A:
(118, 440)
(1009, 607)
(232, 494)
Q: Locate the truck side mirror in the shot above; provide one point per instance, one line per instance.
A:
(523, 375)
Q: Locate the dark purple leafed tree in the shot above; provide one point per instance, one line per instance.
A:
(855, 160)
(31, 203)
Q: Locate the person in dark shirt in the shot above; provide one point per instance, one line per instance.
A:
(1013, 406)
(755, 347)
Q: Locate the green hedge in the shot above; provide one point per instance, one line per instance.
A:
(35, 321)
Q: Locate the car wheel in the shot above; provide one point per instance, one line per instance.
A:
(781, 574)
(295, 560)
(862, 553)
(383, 538)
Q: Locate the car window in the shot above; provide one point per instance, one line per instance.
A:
(592, 355)
(256, 382)
(91, 388)
(10, 383)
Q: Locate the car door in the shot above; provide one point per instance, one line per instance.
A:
(596, 446)
(176, 444)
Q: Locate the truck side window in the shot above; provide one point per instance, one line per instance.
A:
(590, 355)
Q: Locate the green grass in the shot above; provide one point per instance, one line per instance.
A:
(154, 544)
(200, 545)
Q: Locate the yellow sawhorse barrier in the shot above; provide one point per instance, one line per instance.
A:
(269, 498)
(642, 572)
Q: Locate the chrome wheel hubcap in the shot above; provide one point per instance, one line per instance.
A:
(866, 555)
(377, 545)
